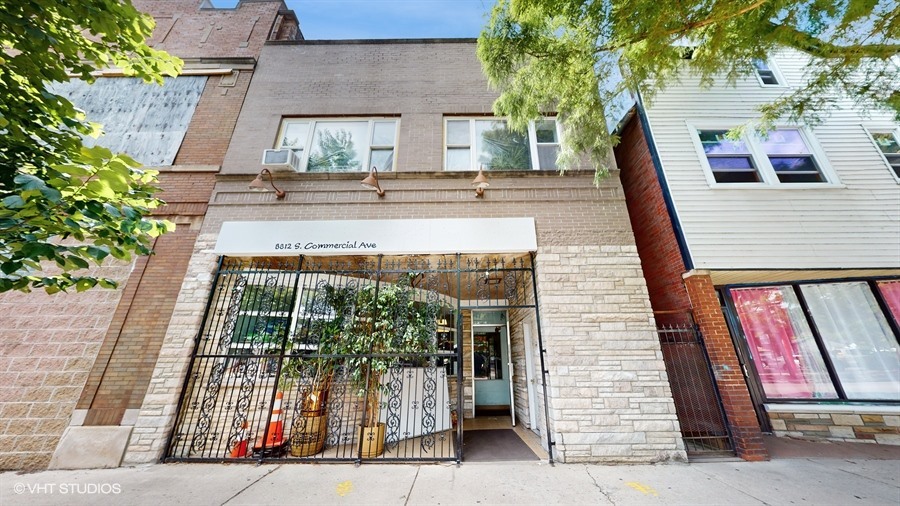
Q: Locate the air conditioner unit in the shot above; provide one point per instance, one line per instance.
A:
(284, 159)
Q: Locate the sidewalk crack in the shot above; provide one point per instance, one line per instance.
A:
(254, 482)
(409, 492)
(603, 492)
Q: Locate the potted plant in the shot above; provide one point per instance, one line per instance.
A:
(311, 366)
(389, 328)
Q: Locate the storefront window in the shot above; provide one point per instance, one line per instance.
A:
(857, 337)
(843, 320)
(781, 343)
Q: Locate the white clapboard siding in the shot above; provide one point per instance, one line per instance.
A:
(852, 225)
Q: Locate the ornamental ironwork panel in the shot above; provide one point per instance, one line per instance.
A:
(337, 358)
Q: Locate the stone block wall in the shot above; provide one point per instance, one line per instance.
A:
(609, 394)
(849, 424)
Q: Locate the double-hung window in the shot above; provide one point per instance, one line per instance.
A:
(766, 73)
(730, 161)
(790, 157)
(473, 143)
(341, 145)
(784, 156)
(889, 145)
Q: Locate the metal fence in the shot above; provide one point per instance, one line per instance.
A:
(703, 425)
(338, 359)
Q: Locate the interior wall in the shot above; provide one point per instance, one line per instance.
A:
(518, 318)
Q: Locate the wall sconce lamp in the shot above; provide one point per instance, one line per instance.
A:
(258, 185)
(480, 183)
(371, 182)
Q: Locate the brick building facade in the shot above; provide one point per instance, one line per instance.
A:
(79, 372)
(608, 394)
(123, 369)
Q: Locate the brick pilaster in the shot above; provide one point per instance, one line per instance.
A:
(729, 378)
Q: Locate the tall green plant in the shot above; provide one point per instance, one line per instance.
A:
(389, 327)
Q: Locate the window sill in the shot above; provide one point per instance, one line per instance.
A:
(869, 409)
(780, 186)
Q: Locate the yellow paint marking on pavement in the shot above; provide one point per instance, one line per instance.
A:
(644, 489)
(344, 488)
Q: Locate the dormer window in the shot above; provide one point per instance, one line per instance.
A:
(765, 73)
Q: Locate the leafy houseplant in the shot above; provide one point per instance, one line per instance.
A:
(389, 328)
(330, 310)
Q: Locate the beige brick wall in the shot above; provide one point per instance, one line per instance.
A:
(609, 395)
(418, 82)
(48, 344)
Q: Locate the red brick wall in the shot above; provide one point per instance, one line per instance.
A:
(660, 256)
(183, 29)
(729, 377)
(672, 298)
(212, 124)
(119, 378)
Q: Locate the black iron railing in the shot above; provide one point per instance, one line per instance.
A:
(347, 359)
(700, 414)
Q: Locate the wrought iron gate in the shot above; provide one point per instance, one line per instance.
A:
(703, 425)
(341, 358)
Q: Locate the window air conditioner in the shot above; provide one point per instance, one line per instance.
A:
(281, 159)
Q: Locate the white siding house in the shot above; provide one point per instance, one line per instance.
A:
(795, 235)
(849, 221)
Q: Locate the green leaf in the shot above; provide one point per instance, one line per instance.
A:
(85, 284)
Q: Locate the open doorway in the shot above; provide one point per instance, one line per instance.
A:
(491, 365)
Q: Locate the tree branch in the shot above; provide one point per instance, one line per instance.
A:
(686, 28)
(819, 48)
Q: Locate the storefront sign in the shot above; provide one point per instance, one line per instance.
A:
(387, 237)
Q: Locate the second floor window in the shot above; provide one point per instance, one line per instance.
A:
(488, 143)
(341, 145)
(730, 161)
(890, 147)
(790, 157)
(784, 156)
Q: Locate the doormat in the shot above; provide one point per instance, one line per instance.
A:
(495, 445)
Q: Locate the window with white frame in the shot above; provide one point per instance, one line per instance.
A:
(889, 145)
(729, 160)
(472, 143)
(341, 145)
(765, 73)
(783, 156)
(791, 157)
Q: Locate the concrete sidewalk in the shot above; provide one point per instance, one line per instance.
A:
(814, 481)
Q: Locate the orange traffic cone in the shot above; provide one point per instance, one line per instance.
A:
(274, 438)
(240, 446)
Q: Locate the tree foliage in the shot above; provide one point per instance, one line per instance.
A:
(60, 201)
(561, 54)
